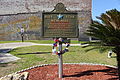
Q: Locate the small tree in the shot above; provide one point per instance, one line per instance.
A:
(107, 30)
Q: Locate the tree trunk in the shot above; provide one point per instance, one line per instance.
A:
(117, 51)
(118, 64)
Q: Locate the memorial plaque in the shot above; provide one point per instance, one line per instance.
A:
(60, 23)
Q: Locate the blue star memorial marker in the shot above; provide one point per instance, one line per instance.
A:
(60, 16)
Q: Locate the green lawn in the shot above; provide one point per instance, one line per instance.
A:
(42, 41)
(36, 55)
(8, 41)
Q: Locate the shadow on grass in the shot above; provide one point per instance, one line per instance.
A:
(113, 56)
(34, 53)
(109, 71)
(5, 50)
(3, 64)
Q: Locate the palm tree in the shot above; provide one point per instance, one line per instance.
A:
(107, 30)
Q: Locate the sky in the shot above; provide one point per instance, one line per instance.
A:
(101, 6)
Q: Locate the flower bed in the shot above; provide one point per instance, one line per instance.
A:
(73, 72)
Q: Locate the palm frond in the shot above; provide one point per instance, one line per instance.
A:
(107, 31)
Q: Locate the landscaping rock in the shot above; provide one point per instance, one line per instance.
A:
(20, 76)
(9, 77)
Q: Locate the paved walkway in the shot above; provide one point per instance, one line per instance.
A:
(15, 45)
(6, 47)
(5, 57)
(22, 44)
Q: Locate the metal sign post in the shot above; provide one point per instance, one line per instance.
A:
(60, 23)
(60, 62)
(22, 38)
(60, 52)
(22, 34)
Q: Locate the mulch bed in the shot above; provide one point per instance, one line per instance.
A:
(73, 72)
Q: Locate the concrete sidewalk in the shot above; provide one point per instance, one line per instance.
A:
(23, 44)
(5, 57)
(15, 45)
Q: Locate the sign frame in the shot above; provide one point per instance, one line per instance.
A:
(66, 33)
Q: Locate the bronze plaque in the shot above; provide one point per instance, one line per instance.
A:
(60, 24)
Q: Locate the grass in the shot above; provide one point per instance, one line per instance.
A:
(41, 41)
(8, 41)
(36, 55)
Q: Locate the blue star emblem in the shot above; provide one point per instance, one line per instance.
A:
(60, 16)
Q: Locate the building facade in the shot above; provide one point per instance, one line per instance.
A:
(15, 14)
